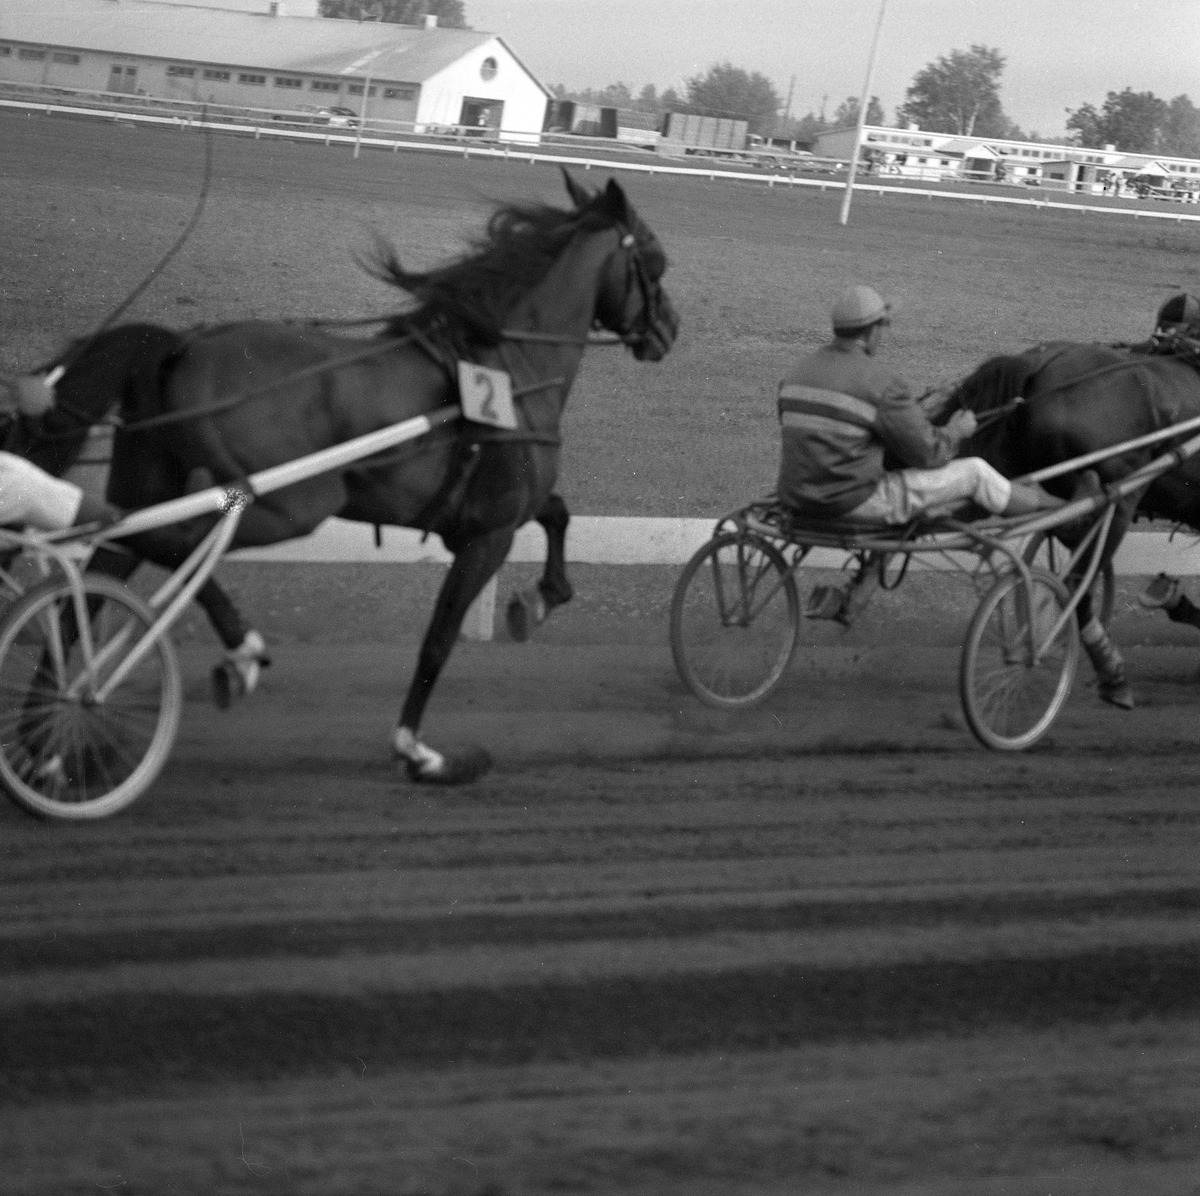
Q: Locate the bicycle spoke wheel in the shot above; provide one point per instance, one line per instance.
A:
(67, 749)
(734, 620)
(1013, 679)
(1044, 552)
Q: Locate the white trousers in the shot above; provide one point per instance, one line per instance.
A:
(905, 493)
(34, 498)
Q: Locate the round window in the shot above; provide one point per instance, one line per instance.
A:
(488, 69)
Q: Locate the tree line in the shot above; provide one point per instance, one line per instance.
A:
(449, 13)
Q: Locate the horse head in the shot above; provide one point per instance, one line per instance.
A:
(631, 301)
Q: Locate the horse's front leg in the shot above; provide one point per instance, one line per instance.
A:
(474, 566)
(530, 608)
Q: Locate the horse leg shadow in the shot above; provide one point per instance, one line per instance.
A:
(529, 609)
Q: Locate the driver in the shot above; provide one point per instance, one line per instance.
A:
(31, 497)
(858, 446)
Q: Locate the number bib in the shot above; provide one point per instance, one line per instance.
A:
(486, 395)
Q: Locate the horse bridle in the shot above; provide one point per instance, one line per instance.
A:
(599, 336)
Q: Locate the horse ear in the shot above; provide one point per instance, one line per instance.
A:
(615, 202)
(580, 195)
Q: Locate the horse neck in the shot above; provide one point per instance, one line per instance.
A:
(562, 306)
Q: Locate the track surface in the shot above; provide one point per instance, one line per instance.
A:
(827, 945)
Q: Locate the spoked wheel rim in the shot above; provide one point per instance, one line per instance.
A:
(1011, 695)
(734, 620)
(67, 750)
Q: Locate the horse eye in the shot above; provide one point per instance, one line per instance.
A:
(628, 241)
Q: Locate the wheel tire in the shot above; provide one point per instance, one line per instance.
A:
(1010, 703)
(734, 620)
(61, 756)
(1044, 552)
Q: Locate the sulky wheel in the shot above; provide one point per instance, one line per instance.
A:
(734, 620)
(1014, 683)
(1044, 552)
(68, 748)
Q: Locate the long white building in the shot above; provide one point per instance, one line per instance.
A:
(272, 55)
(917, 153)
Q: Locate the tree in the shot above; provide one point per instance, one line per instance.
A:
(959, 94)
(398, 12)
(727, 90)
(1086, 126)
(847, 113)
(1181, 129)
(1136, 122)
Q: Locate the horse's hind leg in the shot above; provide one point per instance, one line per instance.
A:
(474, 565)
(245, 649)
(530, 608)
(1112, 684)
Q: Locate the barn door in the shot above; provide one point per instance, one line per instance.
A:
(123, 79)
(479, 116)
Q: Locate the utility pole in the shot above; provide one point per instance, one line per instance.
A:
(787, 111)
(862, 117)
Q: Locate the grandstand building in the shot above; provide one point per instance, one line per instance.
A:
(273, 55)
(915, 153)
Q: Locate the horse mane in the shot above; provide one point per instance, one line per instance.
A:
(475, 292)
(997, 382)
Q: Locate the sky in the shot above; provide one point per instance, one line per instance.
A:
(1061, 53)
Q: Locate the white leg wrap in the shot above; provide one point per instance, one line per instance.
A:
(406, 744)
(247, 659)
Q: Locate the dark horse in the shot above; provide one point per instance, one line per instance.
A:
(121, 368)
(1078, 398)
(240, 398)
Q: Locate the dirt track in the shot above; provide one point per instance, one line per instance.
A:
(657, 949)
(827, 946)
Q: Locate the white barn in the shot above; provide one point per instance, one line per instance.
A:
(261, 54)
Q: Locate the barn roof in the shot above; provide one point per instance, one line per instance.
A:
(315, 45)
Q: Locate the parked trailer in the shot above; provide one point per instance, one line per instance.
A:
(687, 133)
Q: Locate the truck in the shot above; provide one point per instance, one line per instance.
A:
(714, 136)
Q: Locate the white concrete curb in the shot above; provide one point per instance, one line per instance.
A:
(639, 540)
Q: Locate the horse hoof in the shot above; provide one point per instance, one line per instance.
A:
(461, 769)
(526, 611)
(1120, 696)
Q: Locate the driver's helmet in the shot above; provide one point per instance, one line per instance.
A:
(858, 308)
(1180, 313)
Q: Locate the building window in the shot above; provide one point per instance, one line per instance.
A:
(5, 51)
(220, 76)
(287, 81)
(32, 55)
(487, 70)
(63, 57)
(356, 89)
(324, 85)
(253, 80)
(399, 93)
(182, 72)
